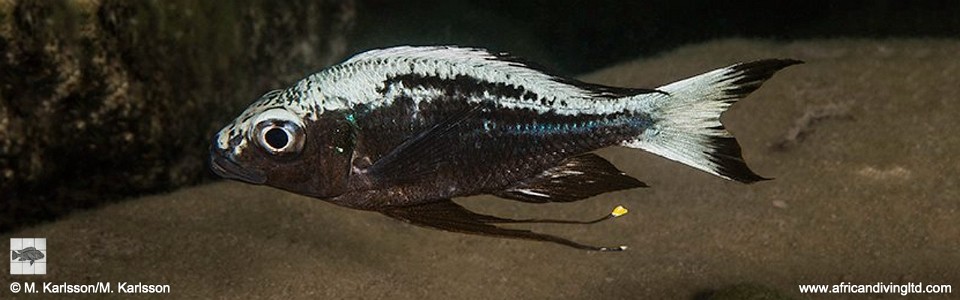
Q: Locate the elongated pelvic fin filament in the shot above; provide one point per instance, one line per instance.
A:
(617, 211)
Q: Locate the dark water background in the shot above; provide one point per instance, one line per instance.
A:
(575, 37)
(103, 103)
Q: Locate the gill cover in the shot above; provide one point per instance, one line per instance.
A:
(331, 141)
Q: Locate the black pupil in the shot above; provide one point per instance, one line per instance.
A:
(276, 138)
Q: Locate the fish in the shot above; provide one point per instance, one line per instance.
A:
(404, 130)
(28, 253)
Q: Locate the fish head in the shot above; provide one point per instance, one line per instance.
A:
(275, 142)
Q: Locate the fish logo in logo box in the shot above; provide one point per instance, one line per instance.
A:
(28, 256)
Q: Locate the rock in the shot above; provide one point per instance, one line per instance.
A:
(105, 99)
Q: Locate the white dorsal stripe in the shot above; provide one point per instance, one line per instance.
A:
(359, 80)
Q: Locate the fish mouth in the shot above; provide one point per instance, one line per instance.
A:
(225, 167)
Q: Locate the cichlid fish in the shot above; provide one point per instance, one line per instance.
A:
(28, 253)
(403, 130)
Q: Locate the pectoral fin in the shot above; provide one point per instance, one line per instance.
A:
(577, 178)
(448, 215)
(421, 155)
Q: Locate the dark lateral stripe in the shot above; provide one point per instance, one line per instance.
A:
(463, 85)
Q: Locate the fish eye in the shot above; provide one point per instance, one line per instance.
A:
(278, 137)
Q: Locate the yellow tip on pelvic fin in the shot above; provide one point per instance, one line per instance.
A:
(619, 211)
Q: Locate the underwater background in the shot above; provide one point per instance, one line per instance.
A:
(107, 108)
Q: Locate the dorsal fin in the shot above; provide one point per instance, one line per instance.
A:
(577, 178)
(597, 90)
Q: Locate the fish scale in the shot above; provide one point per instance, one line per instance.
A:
(403, 130)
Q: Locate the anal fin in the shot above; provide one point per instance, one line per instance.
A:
(450, 216)
(577, 178)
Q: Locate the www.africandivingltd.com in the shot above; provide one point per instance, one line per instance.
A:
(876, 288)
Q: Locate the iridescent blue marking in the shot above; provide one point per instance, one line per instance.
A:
(487, 125)
(541, 129)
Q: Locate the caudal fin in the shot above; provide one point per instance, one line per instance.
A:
(14, 255)
(687, 125)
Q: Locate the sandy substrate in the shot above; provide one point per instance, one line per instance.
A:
(863, 142)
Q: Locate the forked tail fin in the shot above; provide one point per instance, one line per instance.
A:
(687, 125)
